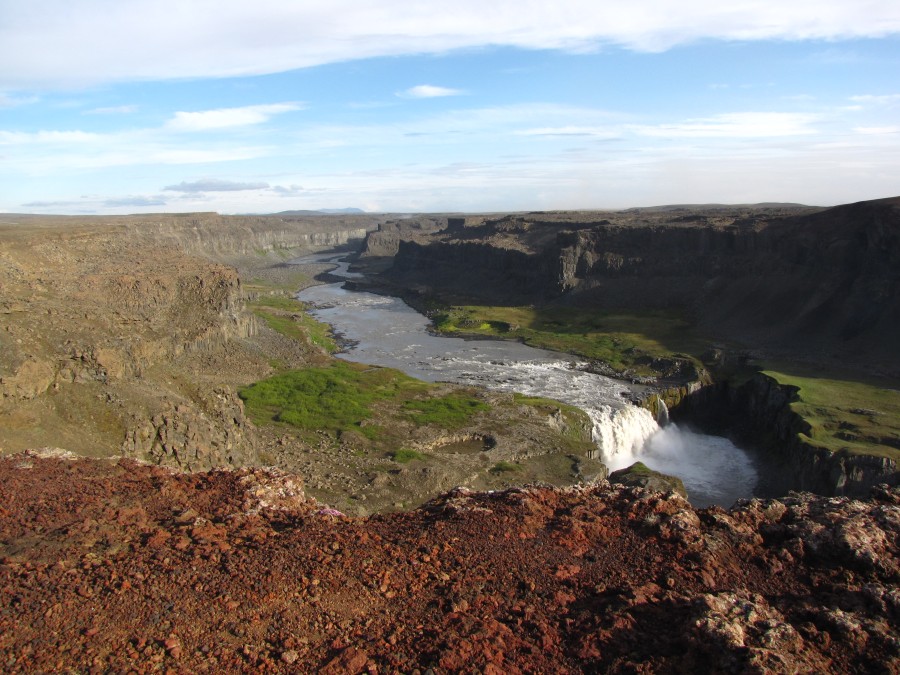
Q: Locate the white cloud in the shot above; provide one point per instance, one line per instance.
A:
(46, 137)
(7, 101)
(877, 130)
(571, 130)
(224, 118)
(287, 190)
(113, 110)
(135, 201)
(214, 185)
(428, 91)
(735, 125)
(887, 99)
(170, 39)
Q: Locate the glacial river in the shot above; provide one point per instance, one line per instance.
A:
(385, 331)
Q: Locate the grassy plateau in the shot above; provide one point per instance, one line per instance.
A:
(857, 417)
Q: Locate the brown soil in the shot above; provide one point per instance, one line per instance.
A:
(123, 567)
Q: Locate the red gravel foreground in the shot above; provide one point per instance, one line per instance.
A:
(123, 567)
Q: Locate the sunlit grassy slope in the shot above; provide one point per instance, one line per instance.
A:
(858, 417)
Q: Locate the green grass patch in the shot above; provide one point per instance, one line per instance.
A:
(334, 398)
(857, 417)
(624, 341)
(405, 455)
(339, 398)
(450, 411)
(505, 467)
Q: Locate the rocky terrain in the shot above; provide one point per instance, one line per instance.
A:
(129, 335)
(123, 567)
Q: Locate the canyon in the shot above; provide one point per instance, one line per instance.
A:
(138, 491)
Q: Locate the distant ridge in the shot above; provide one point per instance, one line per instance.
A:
(318, 212)
(714, 206)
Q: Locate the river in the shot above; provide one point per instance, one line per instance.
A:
(385, 331)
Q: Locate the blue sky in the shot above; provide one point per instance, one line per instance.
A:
(152, 105)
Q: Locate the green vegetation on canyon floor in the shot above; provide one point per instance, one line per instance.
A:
(338, 398)
(845, 414)
(626, 342)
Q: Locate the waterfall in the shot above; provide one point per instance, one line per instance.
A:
(662, 412)
(620, 434)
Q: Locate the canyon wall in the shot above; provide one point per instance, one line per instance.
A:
(213, 235)
(758, 411)
(816, 285)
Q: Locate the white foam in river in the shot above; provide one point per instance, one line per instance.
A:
(387, 332)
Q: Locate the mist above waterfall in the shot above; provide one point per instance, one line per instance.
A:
(712, 468)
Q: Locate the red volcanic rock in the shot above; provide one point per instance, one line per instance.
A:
(123, 567)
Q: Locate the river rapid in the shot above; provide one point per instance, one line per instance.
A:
(385, 331)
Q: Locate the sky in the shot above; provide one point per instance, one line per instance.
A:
(136, 106)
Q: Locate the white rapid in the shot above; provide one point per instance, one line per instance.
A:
(385, 331)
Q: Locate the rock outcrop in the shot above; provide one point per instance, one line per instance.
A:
(639, 475)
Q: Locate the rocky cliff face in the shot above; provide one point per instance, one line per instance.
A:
(216, 236)
(758, 411)
(385, 241)
(78, 317)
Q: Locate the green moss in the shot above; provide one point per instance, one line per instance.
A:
(334, 398)
(505, 467)
(450, 411)
(405, 455)
(855, 417)
(339, 398)
(640, 469)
